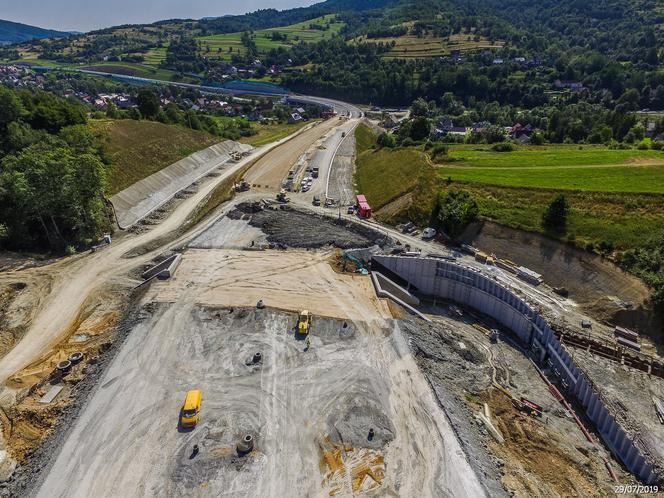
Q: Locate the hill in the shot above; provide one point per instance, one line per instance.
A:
(138, 149)
(13, 32)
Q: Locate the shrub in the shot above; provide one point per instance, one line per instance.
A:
(503, 147)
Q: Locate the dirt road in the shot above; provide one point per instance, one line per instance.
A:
(289, 280)
(269, 172)
(77, 278)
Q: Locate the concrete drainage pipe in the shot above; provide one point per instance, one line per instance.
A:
(64, 366)
(75, 357)
(245, 445)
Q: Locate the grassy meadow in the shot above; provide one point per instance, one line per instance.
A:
(583, 168)
(615, 195)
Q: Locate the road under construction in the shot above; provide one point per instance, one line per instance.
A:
(372, 401)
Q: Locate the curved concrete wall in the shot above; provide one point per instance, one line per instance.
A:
(464, 285)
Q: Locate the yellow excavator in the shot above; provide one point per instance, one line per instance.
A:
(304, 322)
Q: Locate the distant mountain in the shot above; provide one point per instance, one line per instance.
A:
(13, 32)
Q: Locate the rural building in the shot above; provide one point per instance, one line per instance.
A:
(295, 118)
(390, 122)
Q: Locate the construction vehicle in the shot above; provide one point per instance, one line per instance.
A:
(243, 186)
(191, 408)
(304, 322)
(282, 197)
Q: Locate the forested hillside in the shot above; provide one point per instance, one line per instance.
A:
(52, 174)
(13, 32)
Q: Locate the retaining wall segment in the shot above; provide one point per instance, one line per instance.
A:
(143, 197)
(165, 269)
(467, 286)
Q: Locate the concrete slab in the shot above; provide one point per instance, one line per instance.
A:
(51, 394)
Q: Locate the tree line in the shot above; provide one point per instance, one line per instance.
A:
(52, 174)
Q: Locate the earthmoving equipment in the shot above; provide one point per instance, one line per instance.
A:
(494, 336)
(358, 263)
(191, 408)
(243, 186)
(304, 322)
(282, 197)
(260, 304)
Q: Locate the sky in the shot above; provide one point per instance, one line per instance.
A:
(86, 15)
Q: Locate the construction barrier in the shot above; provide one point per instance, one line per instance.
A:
(455, 282)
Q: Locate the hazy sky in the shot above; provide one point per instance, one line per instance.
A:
(86, 15)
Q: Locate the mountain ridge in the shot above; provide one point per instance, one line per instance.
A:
(16, 32)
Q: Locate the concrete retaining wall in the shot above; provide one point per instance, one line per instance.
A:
(468, 286)
(138, 201)
(165, 269)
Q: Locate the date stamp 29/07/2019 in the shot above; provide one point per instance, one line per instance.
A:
(628, 489)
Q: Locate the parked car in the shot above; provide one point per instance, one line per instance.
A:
(351, 210)
(408, 227)
(316, 201)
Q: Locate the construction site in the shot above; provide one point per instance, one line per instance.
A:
(280, 346)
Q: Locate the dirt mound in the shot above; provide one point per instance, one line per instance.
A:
(289, 228)
(535, 464)
(602, 289)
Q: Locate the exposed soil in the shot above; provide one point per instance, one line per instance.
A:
(286, 227)
(545, 457)
(601, 289)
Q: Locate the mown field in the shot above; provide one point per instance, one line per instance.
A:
(268, 133)
(401, 184)
(398, 184)
(411, 46)
(586, 168)
(140, 148)
(224, 46)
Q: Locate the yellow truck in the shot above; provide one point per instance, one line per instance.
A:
(304, 322)
(191, 408)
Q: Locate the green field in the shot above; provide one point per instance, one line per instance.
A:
(226, 45)
(131, 69)
(398, 183)
(269, 133)
(141, 148)
(155, 56)
(516, 187)
(415, 47)
(589, 168)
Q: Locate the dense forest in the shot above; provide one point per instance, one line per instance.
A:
(52, 174)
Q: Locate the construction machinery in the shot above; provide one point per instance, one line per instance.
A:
(282, 197)
(304, 322)
(243, 186)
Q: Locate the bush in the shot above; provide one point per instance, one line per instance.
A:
(454, 211)
(438, 150)
(386, 140)
(657, 145)
(503, 147)
(555, 216)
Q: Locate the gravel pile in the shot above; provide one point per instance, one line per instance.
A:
(289, 228)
